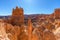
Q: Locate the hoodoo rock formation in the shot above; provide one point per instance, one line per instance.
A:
(17, 17)
(31, 27)
(57, 13)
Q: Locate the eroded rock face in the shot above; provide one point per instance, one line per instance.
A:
(57, 33)
(8, 31)
(57, 13)
(47, 35)
(3, 34)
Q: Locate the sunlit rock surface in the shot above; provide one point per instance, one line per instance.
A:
(3, 34)
(57, 33)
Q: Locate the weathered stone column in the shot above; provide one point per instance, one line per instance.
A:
(29, 29)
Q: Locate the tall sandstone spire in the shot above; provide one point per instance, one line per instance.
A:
(17, 16)
(29, 29)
